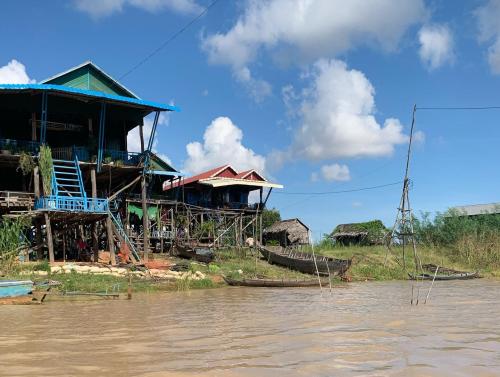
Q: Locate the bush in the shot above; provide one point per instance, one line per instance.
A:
(46, 165)
(474, 239)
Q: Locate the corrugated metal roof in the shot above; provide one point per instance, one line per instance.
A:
(477, 209)
(215, 178)
(97, 68)
(89, 93)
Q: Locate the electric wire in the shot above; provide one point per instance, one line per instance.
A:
(170, 39)
(340, 191)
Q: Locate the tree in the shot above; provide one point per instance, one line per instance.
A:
(269, 217)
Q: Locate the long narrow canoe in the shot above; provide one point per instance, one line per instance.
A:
(304, 262)
(15, 288)
(274, 282)
(443, 273)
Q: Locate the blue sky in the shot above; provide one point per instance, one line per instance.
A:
(317, 94)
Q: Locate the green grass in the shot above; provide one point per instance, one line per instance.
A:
(368, 261)
(368, 264)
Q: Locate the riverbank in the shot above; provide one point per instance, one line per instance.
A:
(369, 264)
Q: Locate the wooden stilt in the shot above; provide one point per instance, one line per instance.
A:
(33, 126)
(39, 240)
(95, 239)
(111, 241)
(141, 136)
(145, 218)
(50, 242)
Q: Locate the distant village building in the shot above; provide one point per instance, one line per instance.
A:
(367, 233)
(222, 187)
(292, 232)
(475, 210)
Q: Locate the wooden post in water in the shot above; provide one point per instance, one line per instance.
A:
(50, 242)
(111, 242)
(95, 240)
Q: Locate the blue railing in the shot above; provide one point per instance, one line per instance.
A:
(13, 146)
(72, 204)
(127, 158)
(123, 234)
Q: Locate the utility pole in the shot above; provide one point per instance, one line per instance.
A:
(403, 230)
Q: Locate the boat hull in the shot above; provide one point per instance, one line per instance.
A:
(15, 288)
(197, 254)
(274, 283)
(305, 263)
(462, 276)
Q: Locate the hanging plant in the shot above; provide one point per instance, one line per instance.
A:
(46, 166)
(26, 163)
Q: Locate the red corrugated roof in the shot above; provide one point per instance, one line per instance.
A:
(224, 171)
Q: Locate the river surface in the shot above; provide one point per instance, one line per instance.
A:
(365, 329)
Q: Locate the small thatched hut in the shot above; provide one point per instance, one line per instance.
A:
(367, 233)
(292, 232)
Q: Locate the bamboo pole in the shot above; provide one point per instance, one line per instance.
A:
(50, 241)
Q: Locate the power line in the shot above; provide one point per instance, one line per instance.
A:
(170, 39)
(340, 191)
(460, 108)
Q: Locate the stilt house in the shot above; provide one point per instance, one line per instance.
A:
(84, 116)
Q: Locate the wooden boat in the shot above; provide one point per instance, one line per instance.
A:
(15, 288)
(199, 254)
(274, 282)
(304, 262)
(443, 273)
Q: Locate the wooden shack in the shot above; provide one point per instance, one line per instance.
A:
(287, 233)
(364, 233)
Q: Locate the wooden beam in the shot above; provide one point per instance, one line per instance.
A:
(36, 180)
(33, 126)
(50, 242)
(145, 218)
(111, 242)
(141, 135)
(124, 188)
(95, 239)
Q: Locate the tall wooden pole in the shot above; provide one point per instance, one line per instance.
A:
(111, 241)
(145, 218)
(50, 242)
(95, 240)
(141, 136)
(33, 126)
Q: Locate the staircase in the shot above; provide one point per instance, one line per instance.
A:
(122, 235)
(68, 192)
(67, 179)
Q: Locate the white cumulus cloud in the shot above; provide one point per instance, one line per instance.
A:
(337, 117)
(436, 46)
(14, 72)
(335, 172)
(222, 144)
(134, 139)
(488, 17)
(305, 30)
(103, 8)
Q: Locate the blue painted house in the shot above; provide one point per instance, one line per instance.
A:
(84, 116)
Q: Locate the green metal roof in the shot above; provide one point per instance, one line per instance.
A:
(89, 76)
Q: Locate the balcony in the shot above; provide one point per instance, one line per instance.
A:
(111, 156)
(12, 146)
(72, 204)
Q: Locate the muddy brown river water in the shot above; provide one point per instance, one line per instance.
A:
(366, 329)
